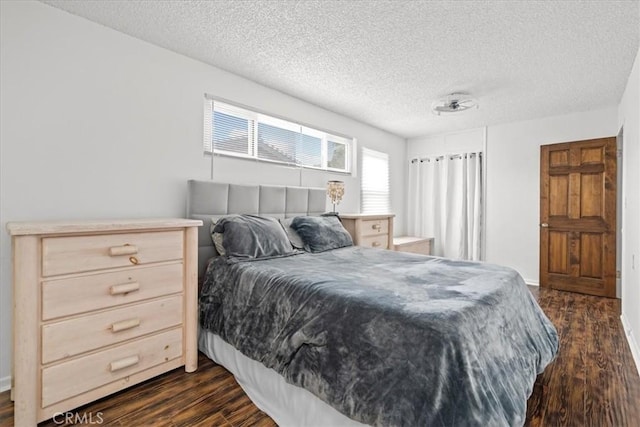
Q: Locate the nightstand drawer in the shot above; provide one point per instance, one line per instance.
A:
(379, 242)
(75, 254)
(375, 227)
(371, 230)
(75, 336)
(68, 379)
(64, 297)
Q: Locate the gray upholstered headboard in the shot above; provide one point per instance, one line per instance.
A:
(208, 199)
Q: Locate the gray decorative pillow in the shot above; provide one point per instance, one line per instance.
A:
(294, 237)
(251, 236)
(321, 233)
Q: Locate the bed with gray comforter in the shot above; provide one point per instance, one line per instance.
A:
(387, 338)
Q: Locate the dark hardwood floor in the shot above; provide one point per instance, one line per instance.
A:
(592, 382)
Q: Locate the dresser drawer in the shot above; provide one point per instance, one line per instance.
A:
(374, 227)
(64, 297)
(75, 254)
(75, 336)
(68, 379)
(379, 242)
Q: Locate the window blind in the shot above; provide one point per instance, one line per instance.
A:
(374, 187)
(236, 131)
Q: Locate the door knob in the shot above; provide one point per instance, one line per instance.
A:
(544, 224)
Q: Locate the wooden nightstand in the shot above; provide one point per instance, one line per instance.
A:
(99, 306)
(372, 230)
(416, 245)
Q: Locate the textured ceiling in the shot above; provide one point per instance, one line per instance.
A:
(385, 62)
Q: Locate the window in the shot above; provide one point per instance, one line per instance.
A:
(234, 131)
(374, 189)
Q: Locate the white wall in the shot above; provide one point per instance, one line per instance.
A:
(97, 124)
(449, 143)
(629, 119)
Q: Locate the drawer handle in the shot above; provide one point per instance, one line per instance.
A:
(375, 244)
(376, 227)
(125, 288)
(123, 250)
(133, 260)
(125, 324)
(124, 363)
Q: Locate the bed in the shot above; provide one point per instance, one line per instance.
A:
(337, 335)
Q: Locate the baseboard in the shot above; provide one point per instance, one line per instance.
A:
(532, 282)
(635, 350)
(5, 384)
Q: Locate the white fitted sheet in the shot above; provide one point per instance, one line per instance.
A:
(288, 405)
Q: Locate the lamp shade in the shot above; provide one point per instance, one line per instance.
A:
(335, 191)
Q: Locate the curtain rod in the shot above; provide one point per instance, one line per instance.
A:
(451, 157)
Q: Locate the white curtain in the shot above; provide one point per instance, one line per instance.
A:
(445, 203)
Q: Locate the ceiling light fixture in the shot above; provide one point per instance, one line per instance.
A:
(454, 103)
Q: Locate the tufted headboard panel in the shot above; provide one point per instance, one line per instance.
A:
(209, 199)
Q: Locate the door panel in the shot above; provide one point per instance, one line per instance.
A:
(592, 155)
(559, 158)
(558, 252)
(578, 216)
(559, 192)
(591, 252)
(591, 200)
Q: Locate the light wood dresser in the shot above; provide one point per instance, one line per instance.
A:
(416, 245)
(372, 230)
(99, 306)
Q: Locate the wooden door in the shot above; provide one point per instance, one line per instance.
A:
(578, 216)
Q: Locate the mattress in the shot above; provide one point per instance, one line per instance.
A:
(286, 404)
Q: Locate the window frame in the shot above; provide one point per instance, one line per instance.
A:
(368, 152)
(254, 117)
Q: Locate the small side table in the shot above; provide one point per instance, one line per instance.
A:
(371, 230)
(416, 245)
